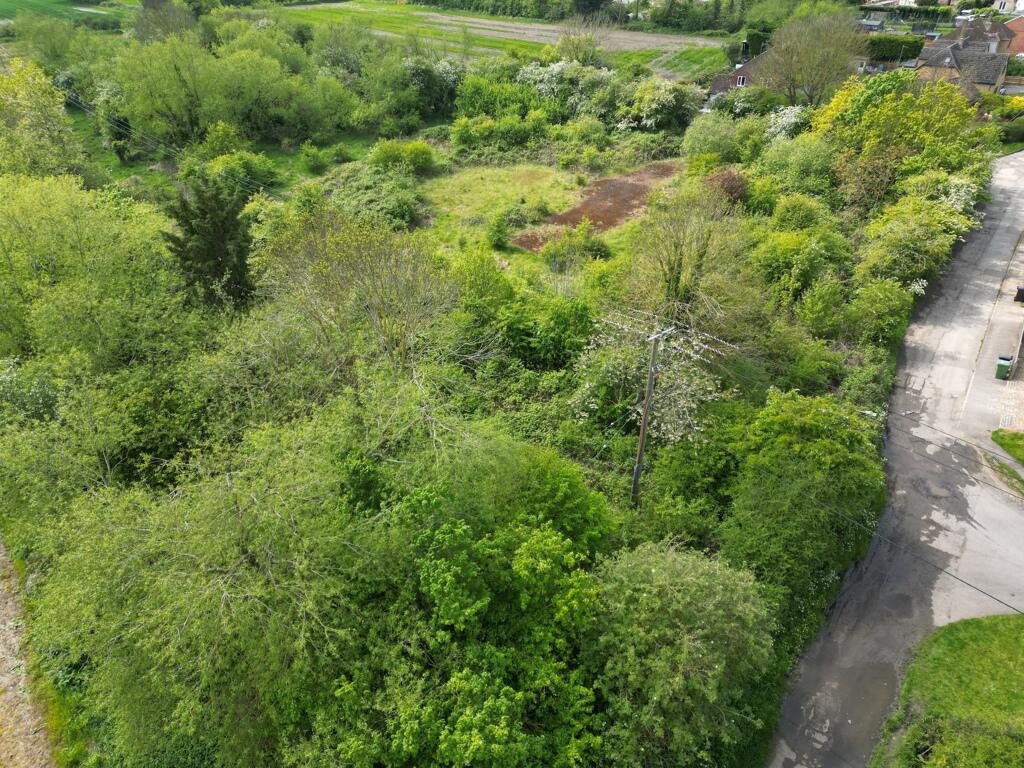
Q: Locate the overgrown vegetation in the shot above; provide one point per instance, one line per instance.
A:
(333, 473)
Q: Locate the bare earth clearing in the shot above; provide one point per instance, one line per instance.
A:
(23, 742)
(611, 40)
(605, 204)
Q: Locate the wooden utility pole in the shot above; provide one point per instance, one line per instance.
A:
(645, 416)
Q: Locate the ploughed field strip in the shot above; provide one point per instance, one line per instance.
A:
(451, 28)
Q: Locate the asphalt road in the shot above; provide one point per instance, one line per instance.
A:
(947, 507)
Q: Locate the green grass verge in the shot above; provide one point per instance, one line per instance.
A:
(629, 58)
(962, 703)
(1010, 441)
(1011, 147)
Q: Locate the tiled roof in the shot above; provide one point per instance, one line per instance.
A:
(980, 30)
(977, 65)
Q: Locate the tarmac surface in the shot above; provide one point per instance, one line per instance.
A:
(949, 516)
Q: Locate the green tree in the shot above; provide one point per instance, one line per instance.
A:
(35, 134)
(804, 503)
(84, 274)
(677, 646)
(809, 56)
(213, 241)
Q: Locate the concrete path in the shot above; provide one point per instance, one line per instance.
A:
(947, 507)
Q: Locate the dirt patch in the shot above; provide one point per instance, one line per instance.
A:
(606, 203)
(23, 742)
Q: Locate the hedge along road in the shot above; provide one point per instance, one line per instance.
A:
(947, 507)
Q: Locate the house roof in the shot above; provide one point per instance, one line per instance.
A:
(978, 66)
(980, 30)
(724, 82)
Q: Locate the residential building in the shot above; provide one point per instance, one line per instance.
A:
(742, 76)
(969, 65)
(983, 33)
(1009, 6)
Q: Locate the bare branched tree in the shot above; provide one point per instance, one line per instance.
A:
(682, 240)
(808, 56)
(344, 272)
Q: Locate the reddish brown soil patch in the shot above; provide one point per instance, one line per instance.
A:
(606, 204)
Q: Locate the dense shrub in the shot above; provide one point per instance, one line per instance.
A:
(752, 100)
(799, 517)
(387, 194)
(417, 156)
(482, 96)
(574, 248)
(800, 212)
(911, 240)
(655, 104)
(712, 133)
(313, 159)
(545, 333)
(730, 183)
(1013, 131)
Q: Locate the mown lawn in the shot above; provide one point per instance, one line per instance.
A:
(962, 702)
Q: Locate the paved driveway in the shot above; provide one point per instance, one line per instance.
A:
(946, 506)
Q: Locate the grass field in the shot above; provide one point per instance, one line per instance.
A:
(409, 21)
(474, 37)
(68, 9)
(695, 63)
(962, 704)
(1010, 441)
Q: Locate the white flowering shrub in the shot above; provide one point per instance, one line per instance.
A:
(658, 104)
(959, 193)
(568, 83)
(613, 372)
(786, 122)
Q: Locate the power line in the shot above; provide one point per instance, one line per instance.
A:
(959, 470)
(947, 434)
(154, 143)
(875, 532)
